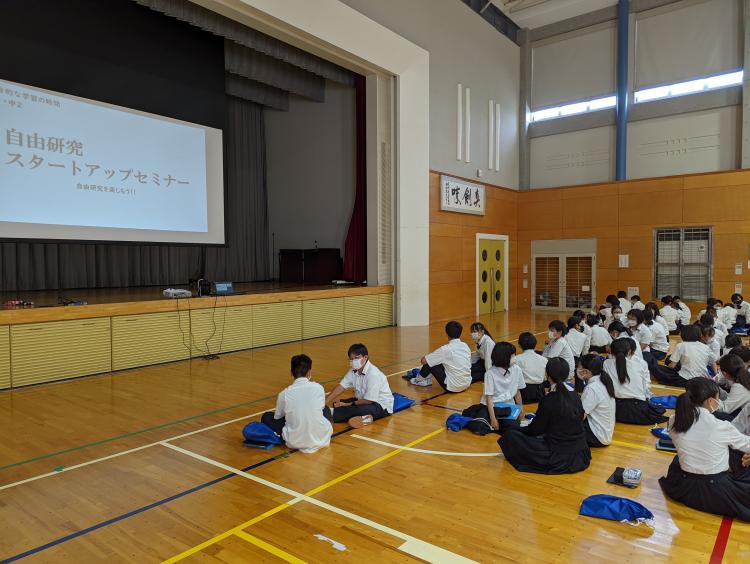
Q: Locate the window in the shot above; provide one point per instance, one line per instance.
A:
(682, 263)
(689, 87)
(573, 109)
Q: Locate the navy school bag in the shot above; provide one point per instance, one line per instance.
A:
(260, 435)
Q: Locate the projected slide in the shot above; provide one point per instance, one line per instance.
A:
(77, 169)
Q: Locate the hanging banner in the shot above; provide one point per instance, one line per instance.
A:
(461, 196)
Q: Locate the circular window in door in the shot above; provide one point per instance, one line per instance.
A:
(497, 275)
(484, 297)
(497, 255)
(484, 276)
(484, 254)
(497, 295)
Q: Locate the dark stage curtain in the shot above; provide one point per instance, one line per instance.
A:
(50, 266)
(355, 246)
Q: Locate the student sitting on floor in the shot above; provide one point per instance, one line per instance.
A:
(618, 316)
(618, 331)
(450, 364)
(732, 341)
(502, 383)
(481, 359)
(555, 441)
(742, 317)
(708, 338)
(692, 355)
(735, 377)
(631, 381)
(659, 341)
(577, 340)
(372, 395)
(709, 319)
(301, 418)
(670, 315)
(532, 365)
(657, 316)
(699, 475)
(641, 333)
(600, 338)
(684, 315)
(625, 303)
(558, 346)
(579, 313)
(728, 315)
(606, 309)
(636, 303)
(598, 401)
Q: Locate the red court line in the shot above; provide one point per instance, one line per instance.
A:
(717, 555)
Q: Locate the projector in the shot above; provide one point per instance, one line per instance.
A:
(177, 293)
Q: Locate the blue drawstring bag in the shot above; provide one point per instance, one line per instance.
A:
(456, 422)
(260, 435)
(401, 402)
(661, 433)
(668, 402)
(616, 508)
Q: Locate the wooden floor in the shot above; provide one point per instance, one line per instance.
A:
(148, 465)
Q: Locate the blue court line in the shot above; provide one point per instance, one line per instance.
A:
(155, 504)
(443, 407)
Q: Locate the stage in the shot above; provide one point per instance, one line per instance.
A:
(126, 328)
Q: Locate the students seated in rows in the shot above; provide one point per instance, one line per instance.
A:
(631, 382)
(657, 316)
(684, 315)
(670, 315)
(700, 475)
(600, 338)
(598, 400)
(503, 383)
(481, 359)
(659, 345)
(690, 359)
(372, 395)
(618, 331)
(301, 418)
(555, 441)
(532, 365)
(735, 378)
(450, 364)
(558, 346)
(625, 304)
(636, 303)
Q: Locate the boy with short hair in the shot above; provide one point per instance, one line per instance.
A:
(532, 365)
(450, 364)
(622, 297)
(372, 399)
(301, 418)
(636, 303)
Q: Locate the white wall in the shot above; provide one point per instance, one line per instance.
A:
(311, 161)
(463, 49)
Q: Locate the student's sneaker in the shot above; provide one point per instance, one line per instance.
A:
(421, 381)
(360, 421)
(413, 373)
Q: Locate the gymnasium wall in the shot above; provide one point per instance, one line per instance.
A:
(463, 49)
(310, 160)
(620, 215)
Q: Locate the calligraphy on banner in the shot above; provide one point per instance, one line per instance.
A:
(461, 196)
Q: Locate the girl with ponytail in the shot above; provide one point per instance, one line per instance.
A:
(598, 401)
(555, 441)
(705, 474)
(688, 360)
(618, 330)
(734, 375)
(481, 359)
(630, 380)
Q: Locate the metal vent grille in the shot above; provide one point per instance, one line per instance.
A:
(682, 262)
(386, 216)
(547, 281)
(578, 276)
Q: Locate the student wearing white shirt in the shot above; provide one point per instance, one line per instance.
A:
(558, 346)
(636, 303)
(372, 395)
(670, 315)
(683, 311)
(640, 331)
(625, 304)
(692, 355)
(600, 338)
(481, 359)
(736, 378)
(617, 330)
(503, 383)
(598, 401)
(576, 337)
(728, 315)
(450, 364)
(708, 338)
(580, 314)
(699, 475)
(657, 316)
(532, 365)
(631, 382)
(301, 417)
(659, 344)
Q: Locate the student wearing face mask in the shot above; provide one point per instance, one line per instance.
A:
(636, 303)
(600, 338)
(657, 316)
(699, 475)
(558, 346)
(689, 359)
(734, 377)
(372, 399)
(659, 344)
(598, 399)
(743, 311)
(624, 302)
(670, 315)
(481, 359)
(684, 315)
(450, 364)
(582, 316)
(641, 333)
(618, 331)
(728, 315)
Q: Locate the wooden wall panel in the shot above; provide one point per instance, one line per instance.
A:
(323, 317)
(277, 323)
(151, 338)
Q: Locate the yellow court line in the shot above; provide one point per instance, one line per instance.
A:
(642, 447)
(269, 548)
(277, 509)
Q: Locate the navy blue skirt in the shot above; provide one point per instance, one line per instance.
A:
(533, 454)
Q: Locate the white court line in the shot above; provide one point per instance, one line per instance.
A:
(423, 451)
(412, 545)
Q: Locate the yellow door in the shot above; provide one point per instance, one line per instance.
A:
(491, 276)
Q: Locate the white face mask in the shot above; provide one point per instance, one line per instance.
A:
(717, 307)
(357, 363)
(632, 323)
(552, 335)
(476, 336)
(712, 409)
